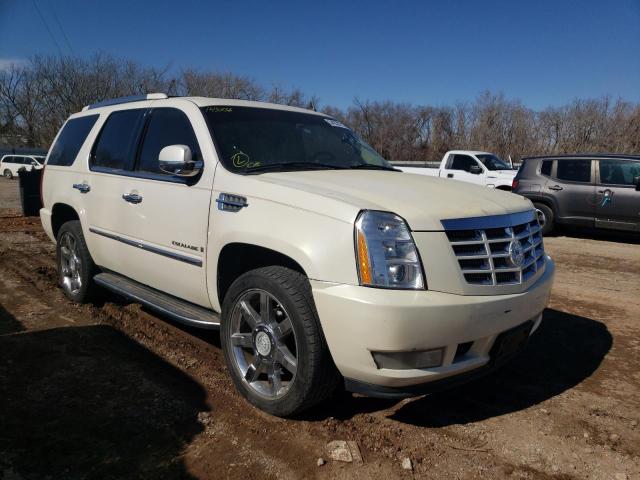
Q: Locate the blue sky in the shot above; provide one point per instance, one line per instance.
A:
(424, 52)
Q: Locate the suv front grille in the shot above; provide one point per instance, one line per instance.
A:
(490, 255)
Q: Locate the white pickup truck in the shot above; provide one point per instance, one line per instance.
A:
(319, 263)
(481, 168)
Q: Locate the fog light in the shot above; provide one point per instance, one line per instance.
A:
(409, 360)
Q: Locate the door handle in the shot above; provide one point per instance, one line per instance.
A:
(555, 187)
(132, 197)
(449, 175)
(83, 187)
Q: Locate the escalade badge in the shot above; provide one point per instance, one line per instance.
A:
(516, 253)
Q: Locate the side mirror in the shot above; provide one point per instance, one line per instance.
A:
(475, 169)
(636, 181)
(176, 160)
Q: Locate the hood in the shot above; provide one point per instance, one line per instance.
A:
(421, 200)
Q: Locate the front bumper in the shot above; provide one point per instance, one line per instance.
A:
(359, 320)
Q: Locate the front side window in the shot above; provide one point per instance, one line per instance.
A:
(619, 172)
(115, 147)
(462, 162)
(167, 126)
(260, 139)
(493, 162)
(574, 170)
(68, 144)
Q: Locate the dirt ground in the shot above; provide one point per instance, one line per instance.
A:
(111, 391)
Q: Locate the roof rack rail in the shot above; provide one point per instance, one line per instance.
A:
(131, 98)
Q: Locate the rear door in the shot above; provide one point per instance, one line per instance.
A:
(618, 201)
(572, 187)
(111, 160)
(458, 167)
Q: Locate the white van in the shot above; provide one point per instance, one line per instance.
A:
(11, 164)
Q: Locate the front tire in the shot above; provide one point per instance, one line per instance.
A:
(7, 174)
(545, 217)
(75, 265)
(273, 343)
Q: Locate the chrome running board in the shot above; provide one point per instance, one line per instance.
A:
(163, 303)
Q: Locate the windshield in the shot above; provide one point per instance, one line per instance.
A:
(492, 162)
(260, 139)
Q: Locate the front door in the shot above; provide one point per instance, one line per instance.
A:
(166, 214)
(573, 189)
(618, 201)
(459, 166)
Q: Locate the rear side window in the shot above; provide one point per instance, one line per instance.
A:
(619, 172)
(115, 146)
(167, 126)
(73, 134)
(574, 170)
(462, 162)
(545, 168)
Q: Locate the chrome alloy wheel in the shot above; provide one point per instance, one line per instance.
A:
(542, 218)
(70, 264)
(263, 344)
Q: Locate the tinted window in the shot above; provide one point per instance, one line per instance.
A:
(574, 170)
(462, 162)
(10, 160)
(545, 168)
(260, 138)
(167, 126)
(114, 148)
(70, 140)
(619, 172)
(492, 162)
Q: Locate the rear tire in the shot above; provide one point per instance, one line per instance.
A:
(7, 174)
(273, 343)
(545, 217)
(75, 265)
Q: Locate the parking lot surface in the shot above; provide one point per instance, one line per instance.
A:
(110, 390)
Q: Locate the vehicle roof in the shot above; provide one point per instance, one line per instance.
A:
(207, 101)
(198, 101)
(585, 155)
(28, 155)
(472, 152)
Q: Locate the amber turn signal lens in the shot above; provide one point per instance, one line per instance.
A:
(363, 260)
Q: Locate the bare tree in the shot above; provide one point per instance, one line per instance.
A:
(38, 96)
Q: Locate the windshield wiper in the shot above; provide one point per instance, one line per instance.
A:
(291, 166)
(370, 166)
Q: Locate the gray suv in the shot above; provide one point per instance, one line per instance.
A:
(585, 190)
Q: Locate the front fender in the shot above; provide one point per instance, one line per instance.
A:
(323, 246)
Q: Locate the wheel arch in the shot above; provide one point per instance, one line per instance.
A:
(238, 258)
(60, 214)
(545, 201)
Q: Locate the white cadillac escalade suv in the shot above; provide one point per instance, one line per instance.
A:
(319, 262)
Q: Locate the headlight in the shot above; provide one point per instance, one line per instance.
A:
(385, 251)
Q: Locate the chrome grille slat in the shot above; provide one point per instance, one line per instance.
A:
(489, 263)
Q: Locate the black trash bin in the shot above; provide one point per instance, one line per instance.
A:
(30, 192)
